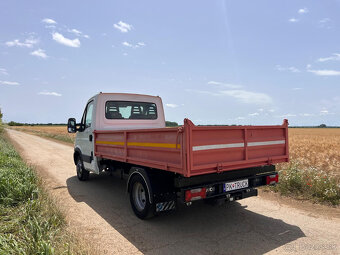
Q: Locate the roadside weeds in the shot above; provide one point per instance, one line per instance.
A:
(307, 183)
(30, 222)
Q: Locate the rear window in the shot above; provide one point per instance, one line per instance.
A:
(130, 110)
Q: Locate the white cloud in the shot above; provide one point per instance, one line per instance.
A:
(254, 114)
(325, 72)
(325, 20)
(28, 43)
(138, 45)
(171, 105)
(3, 71)
(78, 33)
(123, 27)
(225, 85)
(9, 83)
(50, 26)
(39, 53)
(292, 69)
(307, 114)
(31, 40)
(244, 96)
(49, 94)
(293, 20)
(324, 23)
(127, 44)
(240, 118)
(303, 10)
(287, 115)
(74, 31)
(334, 56)
(125, 54)
(297, 88)
(49, 21)
(65, 41)
(248, 97)
(324, 112)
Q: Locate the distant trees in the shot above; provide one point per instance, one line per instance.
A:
(1, 116)
(13, 123)
(322, 126)
(171, 124)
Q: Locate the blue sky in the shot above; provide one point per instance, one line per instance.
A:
(215, 62)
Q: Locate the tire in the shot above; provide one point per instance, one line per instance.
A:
(82, 173)
(139, 198)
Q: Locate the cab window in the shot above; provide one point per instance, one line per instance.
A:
(88, 115)
(130, 110)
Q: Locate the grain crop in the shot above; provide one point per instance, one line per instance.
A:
(316, 147)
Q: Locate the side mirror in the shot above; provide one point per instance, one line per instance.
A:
(71, 125)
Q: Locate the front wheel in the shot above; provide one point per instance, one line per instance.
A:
(82, 173)
(139, 198)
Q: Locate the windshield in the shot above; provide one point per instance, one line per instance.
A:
(130, 110)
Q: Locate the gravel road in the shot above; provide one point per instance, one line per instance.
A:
(98, 211)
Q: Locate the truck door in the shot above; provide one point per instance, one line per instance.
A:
(85, 138)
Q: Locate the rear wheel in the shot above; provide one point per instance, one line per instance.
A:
(82, 173)
(139, 198)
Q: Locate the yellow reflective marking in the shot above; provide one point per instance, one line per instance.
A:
(108, 142)
(160, 145)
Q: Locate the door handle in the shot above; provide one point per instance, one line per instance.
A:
(90, 138)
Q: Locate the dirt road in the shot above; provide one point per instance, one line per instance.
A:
(99, 211)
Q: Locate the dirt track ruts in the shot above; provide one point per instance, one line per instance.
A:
(99, 212)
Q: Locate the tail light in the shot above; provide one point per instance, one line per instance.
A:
(195, 194)
(272, 179)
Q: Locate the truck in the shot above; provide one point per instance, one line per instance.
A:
(166, 166)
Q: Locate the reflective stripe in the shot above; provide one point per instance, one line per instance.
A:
(160, 145)
(235, 145)
(217, 146)
(266, 143)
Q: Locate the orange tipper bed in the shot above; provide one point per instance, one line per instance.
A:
(192, 150)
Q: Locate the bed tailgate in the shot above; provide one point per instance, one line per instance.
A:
(214, 149)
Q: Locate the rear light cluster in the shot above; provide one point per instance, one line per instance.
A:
(199, 193)
(195, 194)
(272, 179)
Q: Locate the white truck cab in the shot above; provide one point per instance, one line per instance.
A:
(114, 111)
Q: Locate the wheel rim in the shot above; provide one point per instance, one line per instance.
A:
(79, 169)
(139, 196)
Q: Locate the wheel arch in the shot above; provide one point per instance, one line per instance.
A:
(143, 173)
(77, 154)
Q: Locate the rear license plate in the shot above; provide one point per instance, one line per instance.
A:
(236, 185)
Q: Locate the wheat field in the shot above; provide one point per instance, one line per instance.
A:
(56, 132)
(316, 147)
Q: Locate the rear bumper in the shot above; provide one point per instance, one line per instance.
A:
(237, 195)
(182, 182)
(217, 189)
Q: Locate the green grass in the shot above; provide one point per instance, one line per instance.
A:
(308, 183)
(30, 223)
